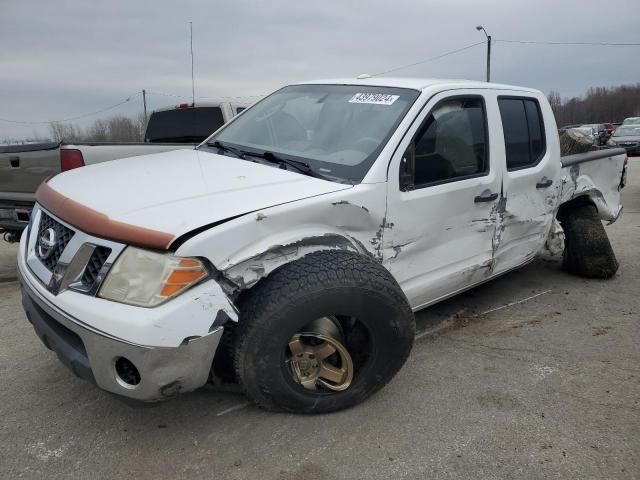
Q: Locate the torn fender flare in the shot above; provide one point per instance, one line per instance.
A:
(615, 219)
(247, 272)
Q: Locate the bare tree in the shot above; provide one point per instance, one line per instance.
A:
(115, 129)
(98, 131)
(599, 105)
(67, 132)
(123, 129)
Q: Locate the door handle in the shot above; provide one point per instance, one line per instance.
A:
(486, 196)
(15, 162)
(544, 183)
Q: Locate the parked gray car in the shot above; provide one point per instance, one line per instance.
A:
(627, 137)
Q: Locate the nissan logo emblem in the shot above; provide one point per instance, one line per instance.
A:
(47, 243)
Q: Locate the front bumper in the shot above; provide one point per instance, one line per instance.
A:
(163, 371)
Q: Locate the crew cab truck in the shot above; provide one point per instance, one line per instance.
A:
(24, 167)
(289, 251)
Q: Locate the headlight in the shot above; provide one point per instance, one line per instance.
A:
(146, 278)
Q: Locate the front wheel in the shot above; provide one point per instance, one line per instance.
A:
(322, 333)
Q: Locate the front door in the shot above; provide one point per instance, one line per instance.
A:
(442, 202)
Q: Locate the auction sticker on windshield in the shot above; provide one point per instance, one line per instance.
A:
(374, 98)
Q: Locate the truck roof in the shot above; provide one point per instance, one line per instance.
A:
(417, 83)
(204, 104)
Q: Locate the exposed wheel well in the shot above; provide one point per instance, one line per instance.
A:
(580, 201)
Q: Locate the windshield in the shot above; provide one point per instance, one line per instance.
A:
(627, 132)
(338, 130)
(631, 121)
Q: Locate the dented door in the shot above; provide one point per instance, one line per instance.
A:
(438, 232)
(530, 181)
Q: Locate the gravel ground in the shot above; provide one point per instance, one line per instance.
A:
(534, 375)
(7, 262)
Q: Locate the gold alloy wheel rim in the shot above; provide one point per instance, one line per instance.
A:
(314, 365)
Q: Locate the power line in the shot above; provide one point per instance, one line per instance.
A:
(437, 57)
(73, 118)
(126, 100)
(172, 95)
(451, 52)
(524, 42)
(534, 42)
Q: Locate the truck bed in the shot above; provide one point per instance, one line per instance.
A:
(97, 152)
(597, 175)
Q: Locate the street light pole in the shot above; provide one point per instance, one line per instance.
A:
(479, 28)
(144, 104)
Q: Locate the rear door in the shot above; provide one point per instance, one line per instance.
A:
(531, 182)
(443, 192)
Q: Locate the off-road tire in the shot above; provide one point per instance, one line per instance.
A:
(322, 283)
(587, 250)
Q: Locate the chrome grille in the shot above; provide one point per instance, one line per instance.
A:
(95, 264)
(64, 258)
(63, 236)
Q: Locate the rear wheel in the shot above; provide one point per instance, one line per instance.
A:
(322, 333)
(587, 252)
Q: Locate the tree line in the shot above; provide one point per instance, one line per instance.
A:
(114, 129)
(598, 105)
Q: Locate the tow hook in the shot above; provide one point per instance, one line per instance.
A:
(11, 237)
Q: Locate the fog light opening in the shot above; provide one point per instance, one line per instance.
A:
(127, 372)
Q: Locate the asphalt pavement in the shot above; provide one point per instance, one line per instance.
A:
(534, 375)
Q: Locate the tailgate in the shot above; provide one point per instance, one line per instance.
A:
(24, 167)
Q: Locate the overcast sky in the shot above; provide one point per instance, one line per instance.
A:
(64, 58)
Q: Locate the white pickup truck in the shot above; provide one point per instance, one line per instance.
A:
(289, 251)
(24, 167)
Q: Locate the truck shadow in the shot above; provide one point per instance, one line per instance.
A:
(459, 310)
(439, 319)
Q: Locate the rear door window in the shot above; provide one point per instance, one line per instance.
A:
(523, 129)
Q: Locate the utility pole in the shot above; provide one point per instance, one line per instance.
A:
(479, 28)
(193, 87)
(144, 104)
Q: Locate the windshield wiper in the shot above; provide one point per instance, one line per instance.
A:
(297, 164)
(226, 148)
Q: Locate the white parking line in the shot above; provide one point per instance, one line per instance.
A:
(513, 303)
(233, 408)
(491, 310)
